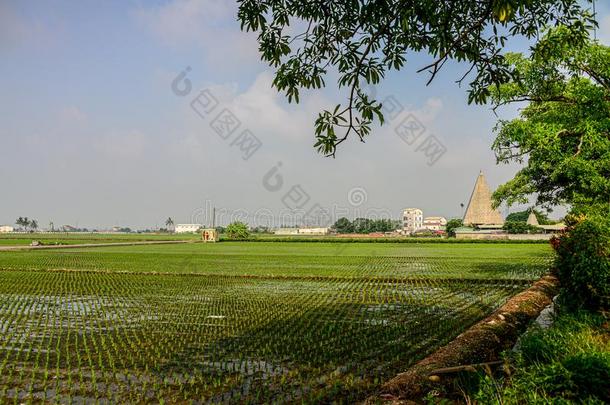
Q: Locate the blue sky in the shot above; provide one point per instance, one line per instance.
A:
(91, 133)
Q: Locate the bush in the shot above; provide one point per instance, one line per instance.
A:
(237, 230)
(583, 261)
(590, 375)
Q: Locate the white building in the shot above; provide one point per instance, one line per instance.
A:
(435, 223)
(287, 231)
(314, 231)
(187, 228)
(302, 231)
(412, 219)
(6, 229)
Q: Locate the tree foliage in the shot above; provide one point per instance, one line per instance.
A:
(365, 225)
(519, 227)
(23, 222)
(362, 40)
(583, 261)
(237, 230)
(343, 225)
(452, 225)
(562, 138)
(522, 216)
(562, 135)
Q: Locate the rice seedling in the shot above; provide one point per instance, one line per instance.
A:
(276, 323)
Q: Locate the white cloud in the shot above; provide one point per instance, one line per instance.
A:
(183, 20)
(209, 24)
(265, 110)
(259, 108)
(128, 144)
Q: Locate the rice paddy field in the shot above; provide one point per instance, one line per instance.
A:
(69, 238)
(246, 322)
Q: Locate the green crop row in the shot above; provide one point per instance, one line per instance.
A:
(132, 337)
(238, 322)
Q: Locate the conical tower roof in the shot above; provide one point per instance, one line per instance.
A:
(532, 219)
(479, 211)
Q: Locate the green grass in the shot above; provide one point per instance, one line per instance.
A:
(567, 363)
(241, 322)
(59, 238)
(302, 260)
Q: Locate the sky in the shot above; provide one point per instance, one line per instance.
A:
(98, 128)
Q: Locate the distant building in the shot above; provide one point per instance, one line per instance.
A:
(435, 223)
(499, 234)
(532, 219)
(314, 231)
(555, 228)
(412, 219)
(548, 229)
(6, 229)
(287, 231)
(187, 228)
(302, 231)
(480, 213)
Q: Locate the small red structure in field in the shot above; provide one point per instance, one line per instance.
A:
(209, 235)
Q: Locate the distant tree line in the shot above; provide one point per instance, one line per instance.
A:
(521, 216)
(365, 225)
(520, 227)
(27, 224)
(516, 222)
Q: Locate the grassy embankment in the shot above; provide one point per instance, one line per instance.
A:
(566, 363)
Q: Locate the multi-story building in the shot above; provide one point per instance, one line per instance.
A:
(435, 223)
(412, 219)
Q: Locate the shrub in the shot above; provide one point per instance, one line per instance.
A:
(583, 261)
(590, 375)
(237, 230)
